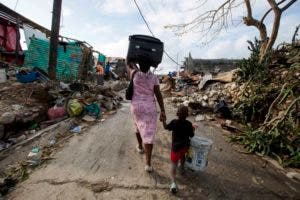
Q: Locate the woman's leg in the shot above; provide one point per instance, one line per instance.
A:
(139, 139)
(148, 151)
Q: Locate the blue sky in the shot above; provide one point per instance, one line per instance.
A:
(106, 25)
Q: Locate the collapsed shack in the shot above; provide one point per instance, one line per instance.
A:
(74, 59)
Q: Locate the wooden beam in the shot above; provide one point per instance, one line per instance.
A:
(54, 38)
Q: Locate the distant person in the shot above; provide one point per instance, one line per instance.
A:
(143, 108)
(182, 132)
(100, 73)
(107, 71)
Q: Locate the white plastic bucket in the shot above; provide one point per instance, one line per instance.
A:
(197, 157)
(2, 76)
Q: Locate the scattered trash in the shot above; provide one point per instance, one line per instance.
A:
(34, 156)
(26, 76)
(93, 110)
(222, 110)
(64, 86)
(56, 112)
(75, 108)
(88, 118)
(52, 142)
(75, 129)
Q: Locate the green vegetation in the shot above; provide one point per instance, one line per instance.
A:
(270, 105)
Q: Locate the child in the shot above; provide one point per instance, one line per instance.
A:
(182, 132)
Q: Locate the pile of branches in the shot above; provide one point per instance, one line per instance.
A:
(270, 105)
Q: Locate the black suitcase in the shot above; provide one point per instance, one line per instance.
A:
(146, 48)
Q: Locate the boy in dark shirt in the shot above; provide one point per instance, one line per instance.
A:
(182, 132)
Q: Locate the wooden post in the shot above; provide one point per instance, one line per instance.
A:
(54, 38)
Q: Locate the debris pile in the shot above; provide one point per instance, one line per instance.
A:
(27, 108)
(204, 92)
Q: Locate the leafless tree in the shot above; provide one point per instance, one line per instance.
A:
(211, 22)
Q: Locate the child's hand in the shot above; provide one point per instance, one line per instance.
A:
(195, 125)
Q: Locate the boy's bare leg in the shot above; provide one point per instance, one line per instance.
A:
(173, 172)
(173, 187)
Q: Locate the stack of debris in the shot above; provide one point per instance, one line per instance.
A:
(205, 91)
(26, 108)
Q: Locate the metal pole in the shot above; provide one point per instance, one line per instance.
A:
(54, 38)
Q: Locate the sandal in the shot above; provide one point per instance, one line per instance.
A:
(140, 150)
(148, 168)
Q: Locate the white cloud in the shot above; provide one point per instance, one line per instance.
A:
(67, 12)
(115, 48)
(115, 6)
(97, 30)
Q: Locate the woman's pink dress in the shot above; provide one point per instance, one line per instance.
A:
(143, 105)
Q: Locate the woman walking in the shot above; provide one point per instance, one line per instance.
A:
(143, 108)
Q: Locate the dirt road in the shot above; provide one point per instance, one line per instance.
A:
(102, 164)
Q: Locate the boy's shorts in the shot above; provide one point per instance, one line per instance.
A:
(178, 155)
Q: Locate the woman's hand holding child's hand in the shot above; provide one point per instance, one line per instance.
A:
(162, 116)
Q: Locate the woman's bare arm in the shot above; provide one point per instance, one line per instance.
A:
(160, 101)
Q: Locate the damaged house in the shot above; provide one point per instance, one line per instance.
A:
(75, 58)
(209, 65)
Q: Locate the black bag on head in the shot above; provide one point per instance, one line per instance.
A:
(146, 48)
(129, 90)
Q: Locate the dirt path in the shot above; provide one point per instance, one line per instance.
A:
(102, 164)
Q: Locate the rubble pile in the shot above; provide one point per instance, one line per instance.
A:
(204, 93)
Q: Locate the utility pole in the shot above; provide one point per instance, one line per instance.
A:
(54, 38)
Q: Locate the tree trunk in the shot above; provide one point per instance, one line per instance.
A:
(250, 21)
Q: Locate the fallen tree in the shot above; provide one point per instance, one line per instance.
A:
(270, 105)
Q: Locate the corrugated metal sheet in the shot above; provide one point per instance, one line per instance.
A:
(68, 58)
